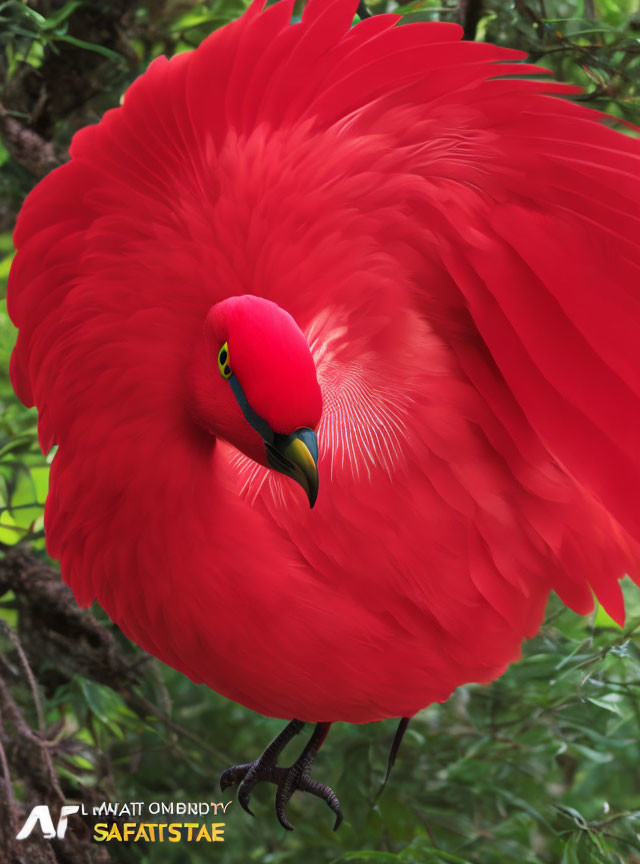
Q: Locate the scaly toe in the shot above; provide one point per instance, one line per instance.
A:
(294, 780)
(283, 795)
(321, 790)
(234, 775)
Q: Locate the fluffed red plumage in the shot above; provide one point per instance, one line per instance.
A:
(461, 251)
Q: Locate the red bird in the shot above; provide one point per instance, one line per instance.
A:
(378, 236)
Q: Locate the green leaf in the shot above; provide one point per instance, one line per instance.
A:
(607, 702)
(593, 755)
(574, 814)
(483, 24)
(603, 619)
(61, 15)
(88, 46)
(570, 854)
(10, 532)
(104, 703)
(371, 855)
(23, 504)
(40, 477)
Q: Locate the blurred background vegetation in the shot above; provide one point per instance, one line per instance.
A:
(541, 767)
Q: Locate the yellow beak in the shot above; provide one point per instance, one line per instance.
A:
(296, 455)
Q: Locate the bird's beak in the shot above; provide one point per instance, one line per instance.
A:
(296, 455)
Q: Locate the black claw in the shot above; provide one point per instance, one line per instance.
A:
(244, 796)
(282, 816)
(284, 793)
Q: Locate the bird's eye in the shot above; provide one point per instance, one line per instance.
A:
(223, 361)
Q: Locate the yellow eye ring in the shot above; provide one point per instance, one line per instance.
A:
(223, 361)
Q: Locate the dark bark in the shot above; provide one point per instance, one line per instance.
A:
(55, 640)
(69, 75)
(51, 621)
(27, 147)
(469, 14)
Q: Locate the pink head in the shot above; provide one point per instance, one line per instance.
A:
(255, 386)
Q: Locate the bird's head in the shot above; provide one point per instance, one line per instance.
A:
(255, 386)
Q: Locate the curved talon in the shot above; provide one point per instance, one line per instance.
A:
(283, 795)
(281, 805)
(244, 796)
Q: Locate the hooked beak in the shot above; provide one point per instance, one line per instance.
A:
(296, 455)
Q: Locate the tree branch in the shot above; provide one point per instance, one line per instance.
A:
(469, 14)
(26, 146)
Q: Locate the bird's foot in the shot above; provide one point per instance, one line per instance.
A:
(288, 780)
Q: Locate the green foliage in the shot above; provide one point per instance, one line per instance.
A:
(26, 34)
(24, 472)
(594, 45)
(542, 766)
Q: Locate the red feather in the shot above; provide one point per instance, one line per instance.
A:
(460, 250)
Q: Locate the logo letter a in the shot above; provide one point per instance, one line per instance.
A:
(38, 814)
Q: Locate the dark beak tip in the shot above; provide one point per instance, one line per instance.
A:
(296, 456)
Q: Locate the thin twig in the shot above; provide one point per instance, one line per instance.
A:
(12, 636)
(9, 796)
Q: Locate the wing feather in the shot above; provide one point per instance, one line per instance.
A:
(476, 236)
